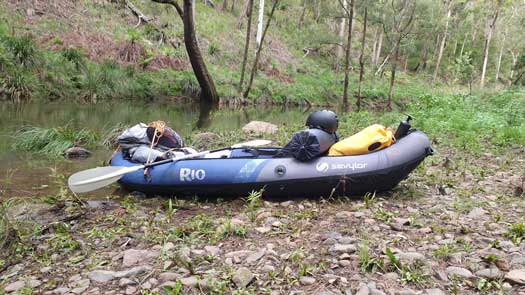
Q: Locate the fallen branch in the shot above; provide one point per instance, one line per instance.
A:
(142, 18)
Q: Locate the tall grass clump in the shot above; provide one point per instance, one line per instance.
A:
(52, 142)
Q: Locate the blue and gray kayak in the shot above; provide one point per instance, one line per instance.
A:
(246, 170)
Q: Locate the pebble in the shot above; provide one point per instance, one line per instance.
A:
(391, 276)
(410, 257)
(60, 290)
(489, 273)
(476, 213)
(343, 215)
(346, 240)
(362, 289)
(254, 257)
(131, 290)
(516, 276)
(81, 286)
(307, 280)
(13, 287)
(242, 277)
(434, 291)
(459, 272)
(104, 276)
(169, 276)
(125, 282)
(133, 257)
(405, 292)
(342, 248)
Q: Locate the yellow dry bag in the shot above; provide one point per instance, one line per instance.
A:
(372, 138)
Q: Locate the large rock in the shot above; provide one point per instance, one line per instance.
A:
(242, 277)
(259, 127)
(516, 276)
(133, 257)
(15, 286)
(76, 152)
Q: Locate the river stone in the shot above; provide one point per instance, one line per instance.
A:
(307, 280)
(342, 248)
(259, 127)
(212, 250)
(254, 257)
(104, 276)
(81, 286)
(13, 287)
(60, 290)
(476, 213)
(242, 277)
(132, 257)
(489, 273)
(410, 257)
(362, 290)
(516, 276)
(193, 281)
(76, 152)
(169, 276)
(459, 272)
(434, 291)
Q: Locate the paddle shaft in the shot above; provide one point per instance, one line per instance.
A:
(189, 156)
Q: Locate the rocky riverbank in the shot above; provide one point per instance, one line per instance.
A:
(451, 228)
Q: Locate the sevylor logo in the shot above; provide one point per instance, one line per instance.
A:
(323, 166)
(187, 174)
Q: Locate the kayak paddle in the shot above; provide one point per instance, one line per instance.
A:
(95, 178)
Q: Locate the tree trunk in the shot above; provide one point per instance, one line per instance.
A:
(187, 13)
(260, 24)
(436, 43)
(246, 44)
(208, 91)
(442, 45)
(463, 45)
(379, 46)
(374, 48)
(492, 26)
(362, 61)
(498, 66)
(347, 57)
(243, 13)
(514, 61)
(340, 49)
(232, 9)
(393, 74)
(224, 5)
(303, 13)
(259, 48)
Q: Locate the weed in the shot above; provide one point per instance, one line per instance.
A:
(370, 200)
(384, 216)
(516, 233)
(367, 262)
(175, 290)
(170, 210)
(444, 252)
(488, 286)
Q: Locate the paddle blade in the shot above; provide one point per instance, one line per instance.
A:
(253, 143)
(93, 179)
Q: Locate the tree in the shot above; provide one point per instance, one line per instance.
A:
(339, 51)
(448, 8)
(186, 13)
(488, 36)
(259, 48)
(350, 15)
(362, 61)
(402, 20)
(246, 44)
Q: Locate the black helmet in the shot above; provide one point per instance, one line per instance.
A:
(325, 120)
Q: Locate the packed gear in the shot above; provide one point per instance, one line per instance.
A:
(308, 144)
(147, 143)
(370, 139)
(313, 142)
(324, 119)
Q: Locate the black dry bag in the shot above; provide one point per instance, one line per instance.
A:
(308, 144)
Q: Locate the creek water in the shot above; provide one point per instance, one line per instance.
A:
(23, 174)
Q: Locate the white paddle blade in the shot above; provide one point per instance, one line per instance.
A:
(253, 143)
(93, 179)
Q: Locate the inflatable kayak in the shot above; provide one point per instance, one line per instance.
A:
(246, 170)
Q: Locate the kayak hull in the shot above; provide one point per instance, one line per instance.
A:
(282, 177)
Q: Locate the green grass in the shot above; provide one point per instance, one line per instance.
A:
(52, 142)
